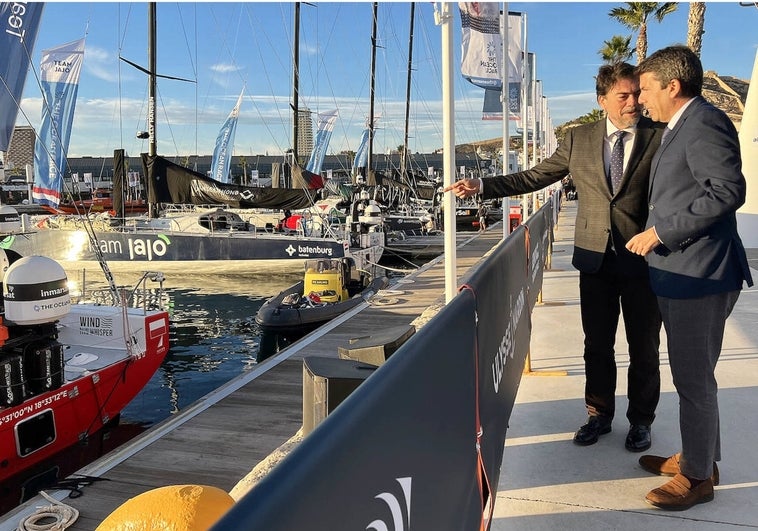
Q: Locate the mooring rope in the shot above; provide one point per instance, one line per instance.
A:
(57, 516)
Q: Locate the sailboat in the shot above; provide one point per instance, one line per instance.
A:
(216, 235)
(66, 370)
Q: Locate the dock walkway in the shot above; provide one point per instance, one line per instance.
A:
(546, 482)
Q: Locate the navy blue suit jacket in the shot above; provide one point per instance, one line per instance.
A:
(696, 186)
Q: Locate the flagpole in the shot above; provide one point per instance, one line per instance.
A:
(524, 112)
(505, 96)
(448, 148)
(533, 96)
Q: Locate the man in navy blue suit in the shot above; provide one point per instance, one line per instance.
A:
(696, 259)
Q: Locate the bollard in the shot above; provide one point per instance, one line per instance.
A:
(326, 383)
(377, 348)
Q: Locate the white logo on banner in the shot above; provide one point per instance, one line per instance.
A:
(507, 348)
(393, 503)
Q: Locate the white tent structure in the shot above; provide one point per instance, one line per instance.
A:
(747, 215)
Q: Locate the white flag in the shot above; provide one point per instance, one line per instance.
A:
(481, 43)
(492, 108)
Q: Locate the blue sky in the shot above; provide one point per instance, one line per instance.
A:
(225, 46)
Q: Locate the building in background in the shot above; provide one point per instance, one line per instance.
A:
(304, 133)
(20, 151)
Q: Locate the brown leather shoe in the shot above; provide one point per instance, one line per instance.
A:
(669, 466)
(678, 494)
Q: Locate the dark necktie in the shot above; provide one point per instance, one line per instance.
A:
(617, 161)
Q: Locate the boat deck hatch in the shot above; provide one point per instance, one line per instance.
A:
(35, 432)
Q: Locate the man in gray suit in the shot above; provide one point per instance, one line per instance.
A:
(612, 193)
(696, 258)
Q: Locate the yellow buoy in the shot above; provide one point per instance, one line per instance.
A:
(176, 507)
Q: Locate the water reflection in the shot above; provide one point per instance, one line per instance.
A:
(272, 342)
(214, 338)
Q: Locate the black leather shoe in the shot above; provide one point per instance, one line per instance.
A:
(596, 426)
(638, 439)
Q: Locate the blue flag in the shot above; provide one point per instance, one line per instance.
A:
(361, 156)
(19, 21)
(60, 68)
(325, 127)
(222, 156)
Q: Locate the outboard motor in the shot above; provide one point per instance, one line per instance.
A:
(35, 297)
(324, 278)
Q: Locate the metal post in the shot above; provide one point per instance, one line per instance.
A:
(448, 146)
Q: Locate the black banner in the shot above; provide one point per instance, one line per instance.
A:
(120, 184)
(503, 337)
(170, 183)
(539, 234)
(399, 453)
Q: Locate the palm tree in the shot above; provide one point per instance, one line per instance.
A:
(696, 26)
(560, 132)
(616, 50)
(635, 17)
(593, 116)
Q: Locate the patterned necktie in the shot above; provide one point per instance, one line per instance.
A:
(617, 161)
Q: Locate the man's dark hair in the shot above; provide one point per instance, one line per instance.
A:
(609, 75)
(675, 62)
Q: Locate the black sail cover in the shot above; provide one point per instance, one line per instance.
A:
(119, 182)
(170, 183)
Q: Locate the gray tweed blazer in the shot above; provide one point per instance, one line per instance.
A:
(604, 221)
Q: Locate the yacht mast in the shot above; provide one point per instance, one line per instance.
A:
(371, 98)
(405, 157)
(151, 67)
(295, 83)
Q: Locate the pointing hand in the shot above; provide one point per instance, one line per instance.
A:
(464, 188)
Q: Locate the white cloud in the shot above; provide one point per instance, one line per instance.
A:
(225, 68)
(103, 65)
(308, 49)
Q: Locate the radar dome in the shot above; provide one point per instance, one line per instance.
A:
(35, 291)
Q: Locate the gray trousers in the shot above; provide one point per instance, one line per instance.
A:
(695, 330)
